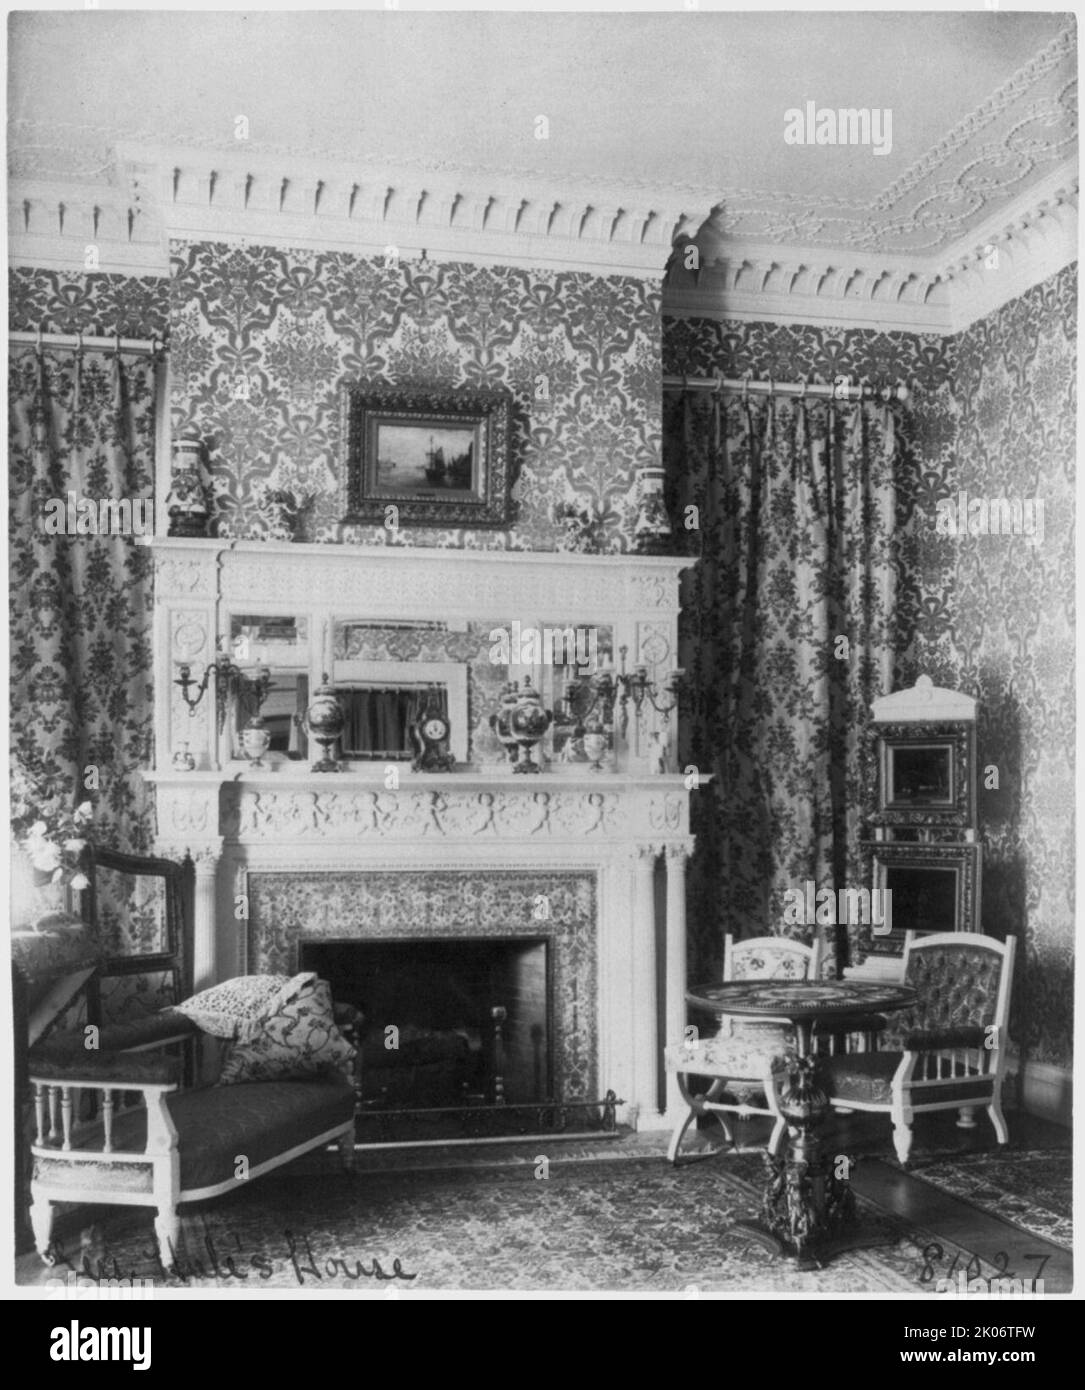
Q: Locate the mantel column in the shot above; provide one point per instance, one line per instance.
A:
(677, 852)
(645, 1033)
(205, 857)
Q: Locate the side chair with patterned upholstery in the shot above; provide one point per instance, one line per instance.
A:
(740, 1063)
(952, 1044)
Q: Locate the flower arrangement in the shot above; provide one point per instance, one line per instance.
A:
(53, 836)
(584, 527)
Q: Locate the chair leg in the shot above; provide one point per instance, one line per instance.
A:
(346, 1150)
(902, 1140)
(777, 1141)
(994, 1110)
(966, 1117)
(167, 1229)
(679, 1134)
(41, 1223)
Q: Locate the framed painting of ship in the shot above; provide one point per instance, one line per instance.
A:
(426, 456)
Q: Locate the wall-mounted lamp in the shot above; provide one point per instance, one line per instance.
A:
(229, 679)
(607, 688)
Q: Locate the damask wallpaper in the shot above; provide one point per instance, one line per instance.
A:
(262, 339)
(58, 301)
(991, 413)
(1010, 638)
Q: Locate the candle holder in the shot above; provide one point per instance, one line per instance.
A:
(611, 692)
(230, 680)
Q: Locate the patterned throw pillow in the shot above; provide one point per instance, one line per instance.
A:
(298, 1040)
(236, 1008)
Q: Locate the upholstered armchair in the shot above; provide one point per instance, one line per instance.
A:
(952, 1045)
(742, 1060)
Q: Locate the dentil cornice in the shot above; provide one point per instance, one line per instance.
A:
(163, 192)
(1014, 249)
(160, 193)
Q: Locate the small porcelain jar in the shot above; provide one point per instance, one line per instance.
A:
(182, 760)
(255, 741)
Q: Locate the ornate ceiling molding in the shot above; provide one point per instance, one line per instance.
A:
(124, 226)
(1022, 132)
(1024, 243)
(164, 192)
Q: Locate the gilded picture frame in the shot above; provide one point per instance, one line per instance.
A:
(426, 456)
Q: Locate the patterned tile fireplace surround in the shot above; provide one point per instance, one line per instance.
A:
(287, 910)
(591, 863)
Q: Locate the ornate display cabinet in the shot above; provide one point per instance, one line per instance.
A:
(922, 845)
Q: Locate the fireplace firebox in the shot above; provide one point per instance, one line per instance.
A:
(448, 1023)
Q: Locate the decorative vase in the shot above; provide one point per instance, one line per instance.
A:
(255, 741)
(528, 723)
(186, 502)
(653, 528)
(499, 722)
(596, 745)
(280, 510)
(324, 721)
(182, 760)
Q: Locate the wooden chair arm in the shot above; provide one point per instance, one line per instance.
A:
(941, 1040)
(119, 1071)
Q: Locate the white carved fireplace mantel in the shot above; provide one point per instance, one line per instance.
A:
(242, 825)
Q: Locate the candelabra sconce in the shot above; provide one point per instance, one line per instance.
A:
(636, 687)
(611, 692)
(229, 680)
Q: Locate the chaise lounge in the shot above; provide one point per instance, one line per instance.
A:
(283, 1091)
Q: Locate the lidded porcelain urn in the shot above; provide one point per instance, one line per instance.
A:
(528, 723)
(324, 721)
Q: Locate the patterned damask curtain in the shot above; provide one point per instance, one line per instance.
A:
(81, 670)
(788, 636)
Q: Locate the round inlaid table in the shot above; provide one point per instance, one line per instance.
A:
(808, 1210)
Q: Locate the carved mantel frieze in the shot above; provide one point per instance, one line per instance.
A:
(195, 808)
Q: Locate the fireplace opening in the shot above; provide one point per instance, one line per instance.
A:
(450, 1023)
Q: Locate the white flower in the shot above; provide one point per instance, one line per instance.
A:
(74, 846)
(84, 811)
(44, 855)
(80, 881)
(37, 831)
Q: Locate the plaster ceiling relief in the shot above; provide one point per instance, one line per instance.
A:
(605, 133)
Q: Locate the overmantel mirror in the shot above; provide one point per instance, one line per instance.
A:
(387, 673)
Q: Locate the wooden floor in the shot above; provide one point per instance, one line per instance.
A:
(956, 1222)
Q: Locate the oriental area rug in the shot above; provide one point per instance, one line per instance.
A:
(593, 1223)
(1030, 1188)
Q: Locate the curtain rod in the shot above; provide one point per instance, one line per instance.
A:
(742, 385)
(77, 341)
